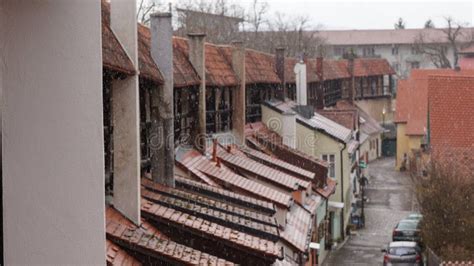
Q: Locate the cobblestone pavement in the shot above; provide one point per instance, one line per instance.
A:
(390, 199)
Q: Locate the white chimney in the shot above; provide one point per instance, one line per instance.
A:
(300, 77)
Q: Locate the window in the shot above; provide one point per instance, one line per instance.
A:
(394, 50)
(396, 66)
(368, 51)
(415, 65)
(331, 159)
(414, 50)
(339, 51)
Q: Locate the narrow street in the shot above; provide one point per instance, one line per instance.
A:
(390, 199)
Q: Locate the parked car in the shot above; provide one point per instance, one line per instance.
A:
(407, 230)
(415, 217)
(402, 253)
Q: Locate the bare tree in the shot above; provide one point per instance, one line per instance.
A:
(220, 19)
(147, 7)
(454, 36)
(400, 25)
(445, 197)
(256, 17)
(429, 24)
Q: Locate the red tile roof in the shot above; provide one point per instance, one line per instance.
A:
(219, 71)
(413, 103)
(290, 76)
(276, 163)
(264, 172)
(199, 164)
(403, 102)
(114, 56)
(335, 69)
(298, 228)
(183, 72)
(118, 256)
(346, 118)
(116, 59)
(450, 104)
(146, 64)
(364, 67)
(259, 66)
(267, 141)
(223, 214)
(207, 229)
(221, 204)
(338, 69)
(147, 241)
(252, 203)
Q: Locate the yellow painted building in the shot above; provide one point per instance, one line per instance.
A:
(325, 139)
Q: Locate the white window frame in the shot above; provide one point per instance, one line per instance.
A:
(331, 164)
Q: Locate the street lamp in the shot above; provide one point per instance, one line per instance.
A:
(383, 122)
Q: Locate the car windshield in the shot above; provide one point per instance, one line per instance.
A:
(414, 217)
(402, 251)
(407, 225)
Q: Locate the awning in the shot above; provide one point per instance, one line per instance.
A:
(335, 205)
(313, 245)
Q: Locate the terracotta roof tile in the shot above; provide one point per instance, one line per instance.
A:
(222, 234)
(260, 68)
(117, 256)
(281, 165)
(415, 98)
(346, 118)
(364, 67)
(403, 102)
(183, 71)
(222, 214)
(298, 228)
(338, 69)
(226, 176)
(219, 71)
(335, 69)
(148, 241)
(220, 203)
(113, 55)
(222, 194)
(115, 59)
(451, 126)
(269, 174)
(260, 137)
(147, 66)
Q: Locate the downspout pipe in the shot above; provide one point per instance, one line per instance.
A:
(342, 190)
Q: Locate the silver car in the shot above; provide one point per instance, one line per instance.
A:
(402, 253)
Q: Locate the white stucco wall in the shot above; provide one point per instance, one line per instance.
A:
(53, 163)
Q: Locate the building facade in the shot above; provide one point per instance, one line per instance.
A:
(397, 46)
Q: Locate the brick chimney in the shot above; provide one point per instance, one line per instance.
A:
(280, 69)
(350, 68)
(238, 97)
(162, 117)
(198, 60)
(126, 116)
(320, 87)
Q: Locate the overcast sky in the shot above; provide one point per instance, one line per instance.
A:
(380, 14)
